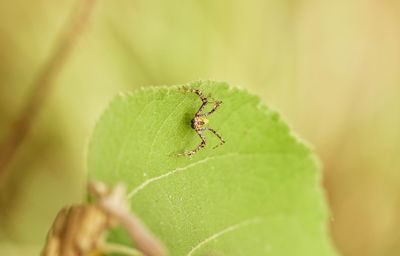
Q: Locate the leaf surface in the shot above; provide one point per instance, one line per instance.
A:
(258, 194)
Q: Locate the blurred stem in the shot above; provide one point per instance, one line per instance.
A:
(121, 249)
(41, 86)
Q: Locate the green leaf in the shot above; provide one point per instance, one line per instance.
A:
(258, 194)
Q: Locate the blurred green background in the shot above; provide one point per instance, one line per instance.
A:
(331, 68)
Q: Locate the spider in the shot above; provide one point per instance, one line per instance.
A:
(200, 120)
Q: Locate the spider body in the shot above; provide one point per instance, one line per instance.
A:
(200, 120)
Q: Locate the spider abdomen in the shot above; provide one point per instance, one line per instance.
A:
(198, 122)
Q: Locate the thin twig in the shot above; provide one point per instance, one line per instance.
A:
(41, 86)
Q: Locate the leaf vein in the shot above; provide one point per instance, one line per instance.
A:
(223, 232)
(179, 169)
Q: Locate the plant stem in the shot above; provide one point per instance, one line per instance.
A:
(41, 86)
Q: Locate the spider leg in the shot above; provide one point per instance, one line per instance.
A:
(202, 97)
(216, 134)
(210, 98)
(215, 107)
(200, 146)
